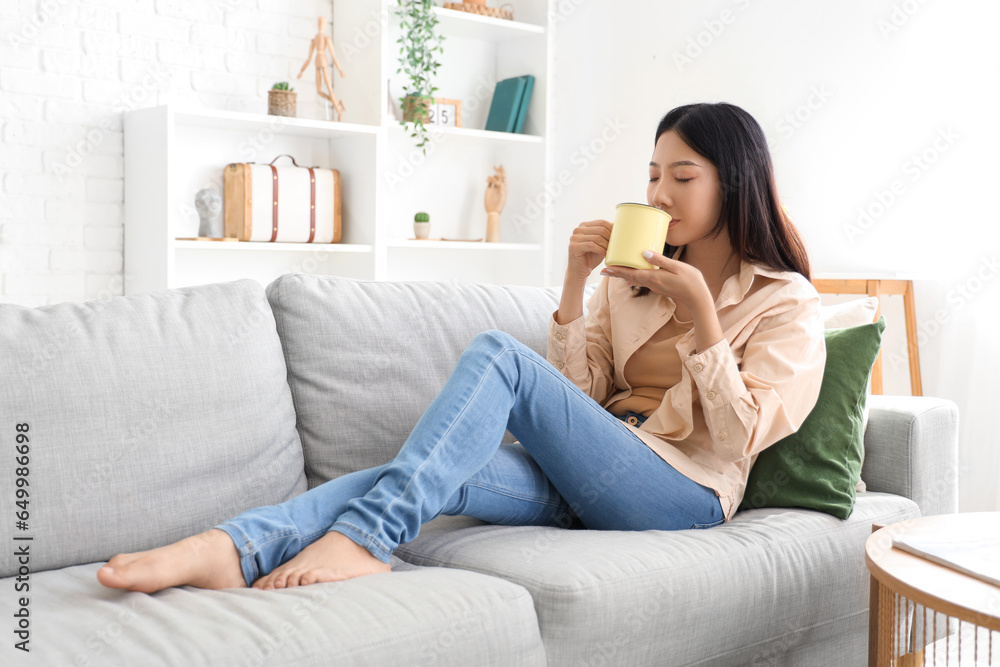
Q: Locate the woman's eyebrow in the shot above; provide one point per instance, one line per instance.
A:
(679, 163)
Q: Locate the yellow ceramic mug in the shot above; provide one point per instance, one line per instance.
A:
(637, 227)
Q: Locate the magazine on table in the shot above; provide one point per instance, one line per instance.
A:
(977, 556)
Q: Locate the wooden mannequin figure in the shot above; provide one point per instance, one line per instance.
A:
(496, 197)
(320, 44)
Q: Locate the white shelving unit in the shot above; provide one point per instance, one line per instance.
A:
(172, 152)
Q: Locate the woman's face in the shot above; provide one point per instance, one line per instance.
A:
(685, 185)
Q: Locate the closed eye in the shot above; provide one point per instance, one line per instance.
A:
(683, 180)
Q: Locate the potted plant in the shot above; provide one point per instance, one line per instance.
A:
(281, 100)
(418, 44)
(421, 225)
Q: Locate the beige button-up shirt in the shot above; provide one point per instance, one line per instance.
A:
(734, 399)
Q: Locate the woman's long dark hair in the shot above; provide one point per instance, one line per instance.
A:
(734, 142)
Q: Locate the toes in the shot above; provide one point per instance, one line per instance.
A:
(107, 577)
(119, 561)
(280, 580)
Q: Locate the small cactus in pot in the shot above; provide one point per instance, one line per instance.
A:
(421, 225)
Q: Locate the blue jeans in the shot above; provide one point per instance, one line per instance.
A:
(577, 466)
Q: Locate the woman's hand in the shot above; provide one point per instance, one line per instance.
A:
(681, 282)
(684, 284)
(588, 246)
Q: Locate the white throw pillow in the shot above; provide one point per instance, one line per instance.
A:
(853, 313)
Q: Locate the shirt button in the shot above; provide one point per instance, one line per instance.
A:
(710, 395)
(698, 368)
(559, 364)
(722, 435)
(559, 336)
(633, 421)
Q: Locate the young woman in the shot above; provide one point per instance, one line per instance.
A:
(646, 415)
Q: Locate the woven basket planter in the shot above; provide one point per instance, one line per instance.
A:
(481, 9)
(417, 108)
(281, 102)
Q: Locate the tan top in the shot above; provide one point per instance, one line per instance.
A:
(734, 399)
(654, 368)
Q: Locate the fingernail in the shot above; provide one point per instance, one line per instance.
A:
(607, 272)
(648, 254)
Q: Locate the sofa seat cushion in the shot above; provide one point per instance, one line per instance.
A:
(411, 616)
(736, 594)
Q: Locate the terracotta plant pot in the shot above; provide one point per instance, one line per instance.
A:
(417, 108)
(281, 102)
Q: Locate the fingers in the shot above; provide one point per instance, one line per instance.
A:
(592, 247)
(590, 244)
(629, 275)
(662, 261)
(580, 237)
(599, 227)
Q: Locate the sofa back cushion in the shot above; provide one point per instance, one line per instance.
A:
(365, 359)
(147, 418)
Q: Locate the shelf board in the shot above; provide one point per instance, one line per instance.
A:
(874, 275)
(466, 24)
(468, 133)
(243, 246)
(255, 122)
(463, 245)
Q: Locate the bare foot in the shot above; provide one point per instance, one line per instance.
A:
(205, 560)
(333, 557)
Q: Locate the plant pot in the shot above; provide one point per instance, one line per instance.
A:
(281, 102)
(421, 229)
(417, 108)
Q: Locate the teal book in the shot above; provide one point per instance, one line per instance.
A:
(529, 84)
(506, 104)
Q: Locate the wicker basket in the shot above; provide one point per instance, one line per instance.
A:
(417, 107)
(281, 102)
(481, 9)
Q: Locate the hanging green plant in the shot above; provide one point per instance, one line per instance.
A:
(418, 44)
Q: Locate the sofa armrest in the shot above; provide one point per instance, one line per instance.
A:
(911, 449)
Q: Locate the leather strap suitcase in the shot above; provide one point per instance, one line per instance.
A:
(282, 204)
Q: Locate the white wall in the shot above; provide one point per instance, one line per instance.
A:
(67, 72)
(851, 95)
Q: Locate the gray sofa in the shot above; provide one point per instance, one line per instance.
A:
(155, 416)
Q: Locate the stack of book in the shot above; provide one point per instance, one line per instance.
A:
(977, 556)
(510, 104)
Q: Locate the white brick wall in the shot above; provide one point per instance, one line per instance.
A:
(68, 72)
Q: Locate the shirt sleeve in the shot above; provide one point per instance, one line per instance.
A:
(752, 405)
(582, 349)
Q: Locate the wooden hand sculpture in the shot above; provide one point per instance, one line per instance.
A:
(496, 197)
(320, 44)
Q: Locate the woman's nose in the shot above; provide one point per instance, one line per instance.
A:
(661, 197)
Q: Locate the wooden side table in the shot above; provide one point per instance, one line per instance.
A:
(876, 285)
(910, 595)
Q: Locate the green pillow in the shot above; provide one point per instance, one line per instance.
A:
(818, 466)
